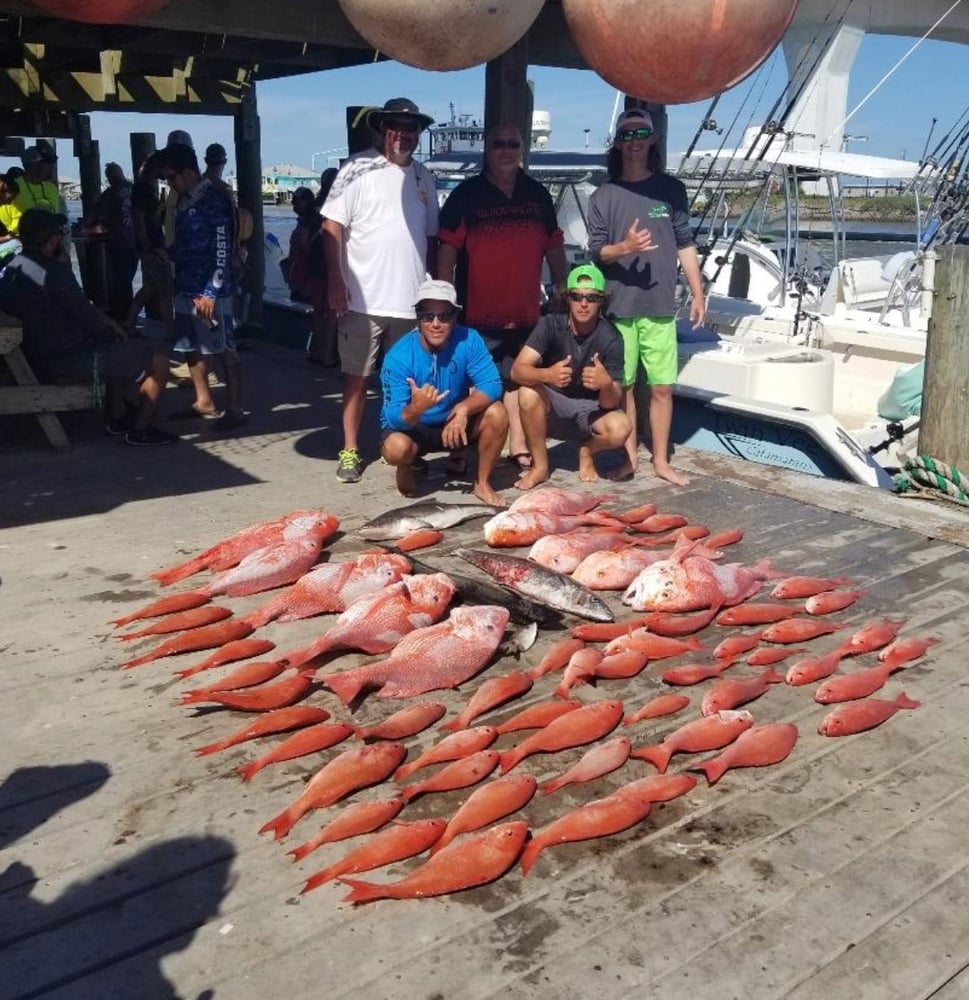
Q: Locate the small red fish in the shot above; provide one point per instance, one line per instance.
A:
(656, 708)
(163, 606)
(659, 787)
(306, 741)
(757, 747)
(581, 666)
(656, 647)
(181, 622)
(353, 820)
(493, 692)
(460, 744)
(605, 631)
(238, 649)
(248, 675)
(656, 523)
(620, 666)
(663, 623)
(693, 673)
(602, 759)
(263, 698)
(764, 656)
(206, 637)
(813, 669)
(903, 650)
(730, 692)
(555, 500)
(557, 657)
(537, 716)
(706, 733)
(831, 601)
(584, 725)
(487, 804)
(407, 722)
(758, 614)
(458, 774)
(721, 539)
(798, 630)
(807, 586)
(397, 842)
(421, 539)
(280, 721)
(471, 861)
(857, 716)
(636, 514)
(850, 687)
(733, 647)
(871, 636)
(351, 770)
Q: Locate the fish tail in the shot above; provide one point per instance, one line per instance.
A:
(280, 825)
(454, 725)
(551, 786)
(903, 701)
(530, 855)
(175, 573)
(248, 770)
(211, 748)
(405, 770)
(509, 759)
(345, 686)
(191, 697)
(658, 755)
(139, 660)
(713, 769)
(360, 892)
(315, 881)
(298, 853)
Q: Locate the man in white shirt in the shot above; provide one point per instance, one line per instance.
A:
(379, 237)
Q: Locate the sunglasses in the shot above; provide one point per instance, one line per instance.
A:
(628, 134)
(596, 298)
(506, 144)
(402, 125)
(445, 317)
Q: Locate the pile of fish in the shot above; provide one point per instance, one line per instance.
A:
(405, 614)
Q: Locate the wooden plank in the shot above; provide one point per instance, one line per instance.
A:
(49, 422)
(44, 398)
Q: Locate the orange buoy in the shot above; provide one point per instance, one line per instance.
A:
(102, 12)
(676, 52)
(432, 34)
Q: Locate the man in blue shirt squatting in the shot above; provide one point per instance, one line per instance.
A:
(203, 282)
(570, 372)
(441, 392)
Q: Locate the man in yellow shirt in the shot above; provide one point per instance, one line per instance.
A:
(36, 189)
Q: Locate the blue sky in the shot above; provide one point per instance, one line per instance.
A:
(303, 116)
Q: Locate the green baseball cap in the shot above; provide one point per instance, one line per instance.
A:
(588, 273)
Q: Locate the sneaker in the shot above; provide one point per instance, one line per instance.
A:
(117, 428)
(150, 435)
(349, 468)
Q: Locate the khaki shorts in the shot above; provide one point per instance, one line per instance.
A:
(652, 340)
(362, 337)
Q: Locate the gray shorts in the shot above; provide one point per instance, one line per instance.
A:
(362, 337)
(571, 419)
(194, 335)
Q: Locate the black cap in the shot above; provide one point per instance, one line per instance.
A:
(398, 107)
(37, 225)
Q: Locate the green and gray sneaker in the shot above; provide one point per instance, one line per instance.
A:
(349, 468)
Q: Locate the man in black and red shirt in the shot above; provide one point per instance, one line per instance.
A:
(496, 228)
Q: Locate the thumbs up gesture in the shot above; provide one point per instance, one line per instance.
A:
(594, 375)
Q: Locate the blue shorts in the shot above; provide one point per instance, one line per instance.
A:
(194, 335)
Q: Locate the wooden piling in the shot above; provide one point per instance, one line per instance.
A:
(508, 98)
(944, 430)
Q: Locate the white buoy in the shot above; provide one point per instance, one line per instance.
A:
(676, 51)
(442, 34)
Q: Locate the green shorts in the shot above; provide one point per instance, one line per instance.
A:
(652, 340)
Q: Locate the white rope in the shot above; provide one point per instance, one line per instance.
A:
(871, 93)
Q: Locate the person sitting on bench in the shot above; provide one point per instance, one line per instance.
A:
(66, 338)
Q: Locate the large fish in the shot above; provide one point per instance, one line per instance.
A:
(332, 588)
(511, 528)
(565, 552)
(554, 500)
(424, 514)
(471, 861)
(439, 656)
(377, 622)
(546, 585)
(231, 551)
(688, 582)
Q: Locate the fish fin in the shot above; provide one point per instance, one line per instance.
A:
(713, 769)
(280, 825)
(903, 701)
(346, 686)
(530, 855)
(360, 892)
(658, 755)
(509, 759)
(139, 660)
(248, 770)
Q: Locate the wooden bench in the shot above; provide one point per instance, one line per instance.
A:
(29, 396)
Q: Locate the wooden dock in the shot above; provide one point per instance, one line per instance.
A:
(130, 869)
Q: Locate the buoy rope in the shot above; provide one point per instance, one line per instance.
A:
(924, 472)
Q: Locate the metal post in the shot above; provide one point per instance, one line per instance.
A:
(249, 180)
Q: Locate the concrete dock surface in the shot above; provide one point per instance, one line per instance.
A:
(131, 869)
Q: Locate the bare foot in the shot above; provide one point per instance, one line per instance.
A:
(531, 479)
(588, 472)
(485, 493)
(622, 473)
(667, 472)
(405, 481)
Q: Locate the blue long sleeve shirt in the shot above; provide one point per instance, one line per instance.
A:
(462, 363)
(202, 250)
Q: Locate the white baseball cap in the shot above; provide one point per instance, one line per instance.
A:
(441, 291)
(633, 118)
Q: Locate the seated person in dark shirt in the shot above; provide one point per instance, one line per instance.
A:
(442, 391)
(66, 338)
(570, 373)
